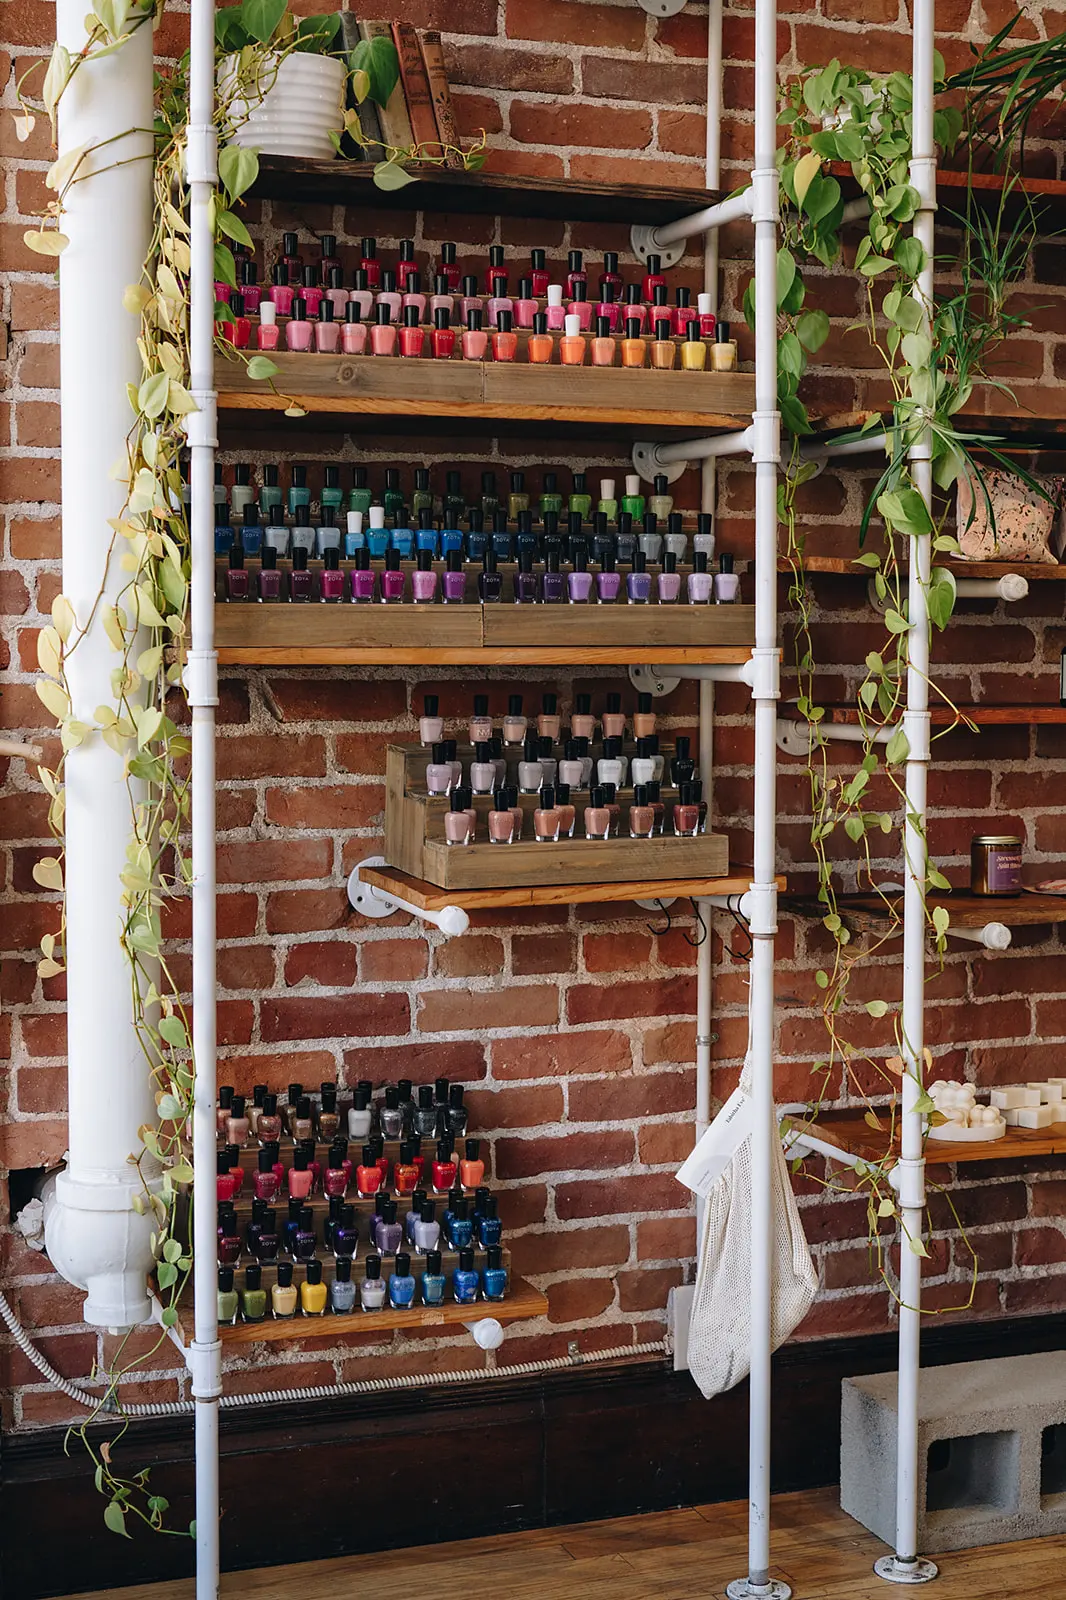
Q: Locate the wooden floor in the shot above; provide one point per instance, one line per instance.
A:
(671, 1555)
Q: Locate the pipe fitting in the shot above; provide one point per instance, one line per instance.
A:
(97, 1242)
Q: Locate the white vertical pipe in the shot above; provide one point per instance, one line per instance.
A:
(93, 1236)
(763, 919)
(206, 1360)
(916, 724)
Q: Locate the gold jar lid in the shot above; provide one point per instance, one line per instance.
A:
(996, 838)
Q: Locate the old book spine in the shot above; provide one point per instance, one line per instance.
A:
(441, 95)
(368, 111)
(395, 123)
(416, 85)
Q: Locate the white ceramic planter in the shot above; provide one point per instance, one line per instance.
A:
(302, 104)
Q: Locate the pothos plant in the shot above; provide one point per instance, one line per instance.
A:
(932, 353)
(147, 620)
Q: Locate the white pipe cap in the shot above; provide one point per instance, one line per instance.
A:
(487, 1335)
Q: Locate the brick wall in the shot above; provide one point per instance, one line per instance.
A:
(573, 1028)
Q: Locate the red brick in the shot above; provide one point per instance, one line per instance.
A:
(564, 1249)
(537, 953)
(462, 1060)
(676, 1042)
(277, 1071)
(50, 1303)
(1046, 1293)
(533, 122)
(42, 1090)
(977, 1206)
(476, 114)
(329, 965)
(854, 1313)
(236, 916)
(624, 1099)
(515, 1108)
(361, 753)
(1048, 1198)
(339, 700)
(331, 1016)
(665, 1143)
(585, 1198)
(39, 367)
(305, 910)
(576, 1152)
(72, 1354)
(32, 1144)
(561, 1055)
(393, 960)
(486, 66)
(478, 955)
(1039, 1247)
(332, 806)
(616, 952)
(38, 424)
(247, 966)
(275, 861)
(34, 306)
(557, 22)
(467, 1010)
(650, 997)
(647, 1290)
(35, 538)
(45, 1035)
(580, 1299)
(271, 755)
(682, 133)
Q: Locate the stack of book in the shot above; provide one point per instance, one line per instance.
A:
(419, 110)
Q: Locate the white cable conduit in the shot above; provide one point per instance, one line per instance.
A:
(236, 1402)
(94, 1238)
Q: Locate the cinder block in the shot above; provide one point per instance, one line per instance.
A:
(991, 1452)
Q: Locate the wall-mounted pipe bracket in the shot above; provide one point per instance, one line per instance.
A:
(488, 1334)
(656, 681)
(204, 1362)
(644, 244)
(646, 461)
(651, 459)
(1011, 587)
(656, 905)
(374, 902)
(793, 736)
(668, 241)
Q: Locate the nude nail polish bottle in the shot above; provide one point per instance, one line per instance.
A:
(283, 1295)
(353, 331)
(597, 817)
(724, 350)
(459, 823)
(383, 337)
(501, 820)
(547, 818)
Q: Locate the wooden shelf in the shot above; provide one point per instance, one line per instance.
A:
(1035, 571)
(848, 1131)
(1018, 429)
(523, 1302)
(867, 912)
(427, 897)
(488, 394)
(1049, 194)
(487, 194)
(405, 656)
(984, 716)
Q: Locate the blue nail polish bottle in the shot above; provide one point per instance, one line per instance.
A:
(494, 1274)
(252, 534)
(378, 535)
(426, 537)
(433, 1280)
(448, 1214)
(292, 1225)
(475, 539)
(462, 1229)
(491, 1231)
(224, 534)
(402, 537)
(354, 538)
(465, 1280)
(401, 1283)
(451, 539)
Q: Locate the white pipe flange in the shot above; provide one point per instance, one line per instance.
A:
(646, 463)
(376, 903)
(893, 1570)
(642, 238)
(646, 680)
(656, 905)
(744, 1589)
(488, 1334)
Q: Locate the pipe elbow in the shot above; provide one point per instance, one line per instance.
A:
(97, 1242)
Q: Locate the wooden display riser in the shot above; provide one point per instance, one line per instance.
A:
(319, 1203)
(522, 1303)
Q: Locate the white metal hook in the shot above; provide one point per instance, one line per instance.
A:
(374, 902)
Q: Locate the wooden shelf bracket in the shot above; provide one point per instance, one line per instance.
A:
(374, 901)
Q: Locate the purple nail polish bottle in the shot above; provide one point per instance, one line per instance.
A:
(608, 581)
(553, 584)
(392, 579)
(454, 580)
(363, 578)
(638, 583)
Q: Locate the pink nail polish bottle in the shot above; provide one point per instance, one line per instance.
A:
(280, 289)
(337, 294)
(633, 306)
(392, 579)
(363, 578)
(498, 301)
(458, 828)
(581, 306)
(353, 331)
(471, 300)
(332, 587)
(413, 295)
(312, 290)
(268, 333)
(669, 580)
(298, 330)
(248, 280)
(700, 582)
(383, 334)
(525, 307)
(327, 332)
(389, 295)
(501, 822)
(555, 310)
(361, 293)
(424, 579)
(475, 339)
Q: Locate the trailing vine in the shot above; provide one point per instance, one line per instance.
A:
(932, 355)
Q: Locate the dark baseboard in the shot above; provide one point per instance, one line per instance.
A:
(303, 1482)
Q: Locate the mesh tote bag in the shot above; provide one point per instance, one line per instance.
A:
(719, 1340)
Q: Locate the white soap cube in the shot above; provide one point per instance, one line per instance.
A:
(1061, 1081)
(1049, 1092)
(1034, 1117)
(1011, 1115)
(1011, 1096)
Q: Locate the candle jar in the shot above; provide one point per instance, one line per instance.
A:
(996, 864)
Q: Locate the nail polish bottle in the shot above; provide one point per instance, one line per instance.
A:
(328, 1119)
(580, 306)
(225, 1183)
(597, 817)
(461, 1226)
(311, 292)
(415, 1210)
(363, 579)
(700, 582)
(353, 331)
(346, 1232)
(579, 579)
(686, 814)
(525, 306)
(401, 1283)
(538, 272)
(459, 822)
(724, 350)
(465, 1281)
(392, 579)
(424, 579)
(439, 781)
(236, 577)
(453, 582)
(653, 278)
(633, 309)
(447, 267)
(726, 582)
(458, 1114)
(567, 813)
(633, 349)
(625, 540)
(693, 351)
(470, 299)
(427, 1229)
(490, 582)
(611, 766)
(268, 1242)
(283, 1294)
(601, 347)
(248, 278)
(475, 341)
(336, 293)
(303, 1247)
(368, 1174)
(336, 1172)
(571, 768)
(281, 291)
(265, 1184)
(555, 311)
(442, 339)
(575, 271)
(268, 1128)
(705, 312)
(290, 253)
(232, 1153)
(451, 1206)
(381, 1200)
(342, 1289)
(441, 299)
(412, 336)
(546, 818)
(390, 1232)
(224, 1109)
(430, 723)
(501, 820)
(433, 1283)
(572, 344)
(541, 345)
(298, 330)
(267, 334)
(229, 1240)
(405, 1173)
(514, 723)
(313, 1291)
(406, 265)
(445, 1167)
(638, 581)
(682, 767)
(359, 1115)
(504, 342)
(494, 1274)
(582, 722)
(703, 538)
(383, 333)
(663, 351)
(613, 721)
(682, 312)
(498, 302)
(472, 1168)
(237, 1124)
(253, 1295)
(390, 1117)
(291, 1226)
(608, 582)
(496, 268)
(236, 329)
(227, 1296)
(608, 307)
(526, 581)
(632, 499)
(651, 540)
(372, 1288)
(641, 815)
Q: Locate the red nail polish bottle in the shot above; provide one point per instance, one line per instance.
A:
(445, 1167)
(368, 1174)
(265, 1184)
(225, 1187)
(412, 337)
(443, 337)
